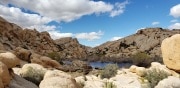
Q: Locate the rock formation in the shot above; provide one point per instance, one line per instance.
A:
(146, 40)
(171, 52)
(13, 36)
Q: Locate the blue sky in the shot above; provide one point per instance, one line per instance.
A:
(92, 22)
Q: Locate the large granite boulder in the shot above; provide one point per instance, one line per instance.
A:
(4, 74)
(57, 79)
(170, 48)
(9, 59)
(44, 61)
(19, 82)
(33, 73)
(170, 82)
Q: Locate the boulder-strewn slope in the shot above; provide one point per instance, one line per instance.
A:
(147, 40)
(13, 36)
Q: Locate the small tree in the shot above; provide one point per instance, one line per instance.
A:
(109, 71)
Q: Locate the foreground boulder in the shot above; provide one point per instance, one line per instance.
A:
(170, 82)
(57, 79)
(170, 48)
(18, 82)
(44, 61)
(33, 73)
(4, 75)
(9, 59)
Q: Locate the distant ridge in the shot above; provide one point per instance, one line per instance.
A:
(146, 40)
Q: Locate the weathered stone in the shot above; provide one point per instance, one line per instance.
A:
(23, 54)
(9, 59)
(170, 82)
(33, 73)
(55, 73)
(58, 82)
(4, 74)
(45, 62)
(170, 48)
(19, 82)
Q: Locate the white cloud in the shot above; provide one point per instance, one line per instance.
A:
(57, 10)
(57, 34)
(115, 38)
(155, 23)
(68, 10)
(89, 36)
(175, 26)
(173, 21)
(15, 15)
(118, 9)
(175, 11)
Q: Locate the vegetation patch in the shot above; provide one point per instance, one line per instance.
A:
(110, 85)
(109, 71)
(155, 75)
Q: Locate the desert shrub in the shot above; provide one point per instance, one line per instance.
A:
(55, 56)
(155, 75)
(109, 71)
(109, 85)
(141, 59)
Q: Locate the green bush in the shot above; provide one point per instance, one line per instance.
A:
(109, 85)
(55, 56)
(155, 75)
(109, 71)
(141, 59)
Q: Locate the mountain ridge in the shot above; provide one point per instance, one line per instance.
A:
(146, 40)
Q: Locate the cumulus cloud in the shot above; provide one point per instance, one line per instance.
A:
(89, 36)
(15, 15)
(175, 26)
(175, 11)
(155, 23)
(115, 38)
(45, 11)
(58, 34)
(119, 9)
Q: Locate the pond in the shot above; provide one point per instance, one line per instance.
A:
(100, 65)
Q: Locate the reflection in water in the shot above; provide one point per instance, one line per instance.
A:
(103, 64)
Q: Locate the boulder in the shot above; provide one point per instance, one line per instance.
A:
(9, 59)
(45, 61)
(170, 48)
(33, 72)
(4, 74)
(58, 82)
(19, 82)
(23, 54)
(1, 84)
(170, 82)
(140, 71)
(54, 73)
(94, 84)
(133, 68)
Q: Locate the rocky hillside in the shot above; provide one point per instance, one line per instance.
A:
(146, 40)
(13, 36)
